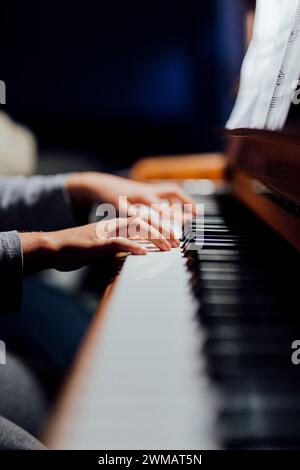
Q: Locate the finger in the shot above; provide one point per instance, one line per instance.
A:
(146, 200)
(163, 226)
(178, 195)
(139, 226)
(159, 217)
(117, 228)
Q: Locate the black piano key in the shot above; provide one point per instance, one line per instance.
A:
(260, 429)
(243, 279)
(271, 331)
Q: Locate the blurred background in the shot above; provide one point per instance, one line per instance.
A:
(102, 84)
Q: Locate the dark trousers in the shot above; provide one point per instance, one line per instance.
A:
(43, 339)
(23, 406)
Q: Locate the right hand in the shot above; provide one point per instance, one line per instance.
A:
(67, 250)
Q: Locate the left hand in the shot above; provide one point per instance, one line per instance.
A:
(90, 188)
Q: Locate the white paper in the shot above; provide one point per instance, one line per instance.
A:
(271, 64)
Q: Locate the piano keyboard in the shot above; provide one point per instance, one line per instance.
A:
(246, 284)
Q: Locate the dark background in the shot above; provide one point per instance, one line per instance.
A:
(119, 80)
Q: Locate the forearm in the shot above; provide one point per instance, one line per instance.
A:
(35, 203)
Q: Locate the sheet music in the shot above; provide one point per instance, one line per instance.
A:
(270, 67)
(289, 73)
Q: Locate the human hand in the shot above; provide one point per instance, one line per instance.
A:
(67, 250)
(89, 188)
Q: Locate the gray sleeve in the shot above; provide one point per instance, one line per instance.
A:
(11, 268)
(35, 203)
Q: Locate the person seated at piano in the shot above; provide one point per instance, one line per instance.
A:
(59, 205)
(43, 223)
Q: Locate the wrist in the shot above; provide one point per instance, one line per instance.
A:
(39, 250)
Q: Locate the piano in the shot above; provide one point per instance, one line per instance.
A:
(192, 348)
